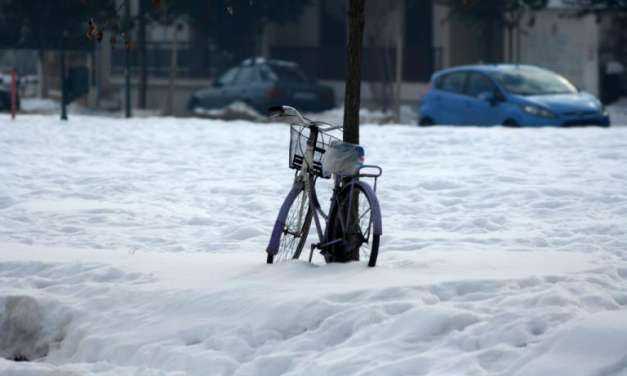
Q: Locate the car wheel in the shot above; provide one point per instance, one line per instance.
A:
(426, 122)
(511, 123)
(192, 104)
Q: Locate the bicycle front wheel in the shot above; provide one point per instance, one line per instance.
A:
(292, 227)
(351, 224)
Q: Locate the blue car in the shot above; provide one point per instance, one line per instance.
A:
(510, 95)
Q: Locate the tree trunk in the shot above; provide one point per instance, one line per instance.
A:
(352, 98)
(200, 64)
(43, 75)
(510, 44)
(173, 67)
(127, 70)
(141, 40)
(400, 44)
(352, 95)
(62, 75)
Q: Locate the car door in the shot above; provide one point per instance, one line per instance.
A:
(216, 96)
(481, 106)
(251, 89)
(239, 90)
(449, 99)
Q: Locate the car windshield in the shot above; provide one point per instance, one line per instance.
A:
(288, 73)
(524, 81)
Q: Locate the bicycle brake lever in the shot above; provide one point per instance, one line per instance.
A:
(276, 111)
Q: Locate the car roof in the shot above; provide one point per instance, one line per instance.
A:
(486, 68)
(262, 60)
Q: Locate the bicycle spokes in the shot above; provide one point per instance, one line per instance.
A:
(356, 223)
(351, 229)
(295, 228)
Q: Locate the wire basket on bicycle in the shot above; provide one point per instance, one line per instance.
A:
(298, 145)
(351, 228)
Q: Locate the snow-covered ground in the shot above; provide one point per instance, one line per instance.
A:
(618, 112)
(39, 105)
(136, 247)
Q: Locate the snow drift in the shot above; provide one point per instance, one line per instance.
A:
(136, 247)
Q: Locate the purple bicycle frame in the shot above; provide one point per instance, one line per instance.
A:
(279, 224)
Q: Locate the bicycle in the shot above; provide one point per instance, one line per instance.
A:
(353, 226)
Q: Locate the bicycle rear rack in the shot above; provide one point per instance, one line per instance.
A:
(375, 176)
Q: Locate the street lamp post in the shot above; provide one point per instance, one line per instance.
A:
(63, 76)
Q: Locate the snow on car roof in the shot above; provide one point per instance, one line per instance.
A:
(262, 60)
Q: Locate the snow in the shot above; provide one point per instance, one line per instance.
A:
(39, 105)
(106, 108)
(242, 111)
(235, 110)
(366, 116)
(599, 339)
(136, 248)
(618, 112)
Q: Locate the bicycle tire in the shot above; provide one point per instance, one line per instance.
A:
(351, 248)
(292, 240)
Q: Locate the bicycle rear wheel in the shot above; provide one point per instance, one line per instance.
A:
(295, 220)
(351, 226)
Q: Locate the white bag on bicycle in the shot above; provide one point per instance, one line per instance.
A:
(342, 158)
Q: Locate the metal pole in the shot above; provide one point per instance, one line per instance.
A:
(127, 58)
(63, 82)
(13, 93)
(173, 66)
(141, 41)
(400, 44)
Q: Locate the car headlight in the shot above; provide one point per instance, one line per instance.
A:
(604, 111)
(537, 111)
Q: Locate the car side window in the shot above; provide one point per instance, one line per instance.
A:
(477, 84)
(266, 73)
(453, 82)
(246, 76)
(228, 77)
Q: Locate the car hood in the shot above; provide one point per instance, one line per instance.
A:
(566, 103)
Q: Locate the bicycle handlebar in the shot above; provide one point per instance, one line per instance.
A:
(278, 111)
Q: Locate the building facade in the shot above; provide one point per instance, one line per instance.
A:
(404, 40)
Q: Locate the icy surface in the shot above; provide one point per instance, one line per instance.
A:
(136, 247)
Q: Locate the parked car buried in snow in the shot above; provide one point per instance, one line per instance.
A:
(510, 95)
(263, 83)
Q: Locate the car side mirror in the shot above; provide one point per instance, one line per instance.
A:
(488, 96)
(492, 97)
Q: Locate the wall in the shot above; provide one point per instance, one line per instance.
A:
(300, 32)
(411, 92)
(158, 90)
(441, 36)
(566, 45)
